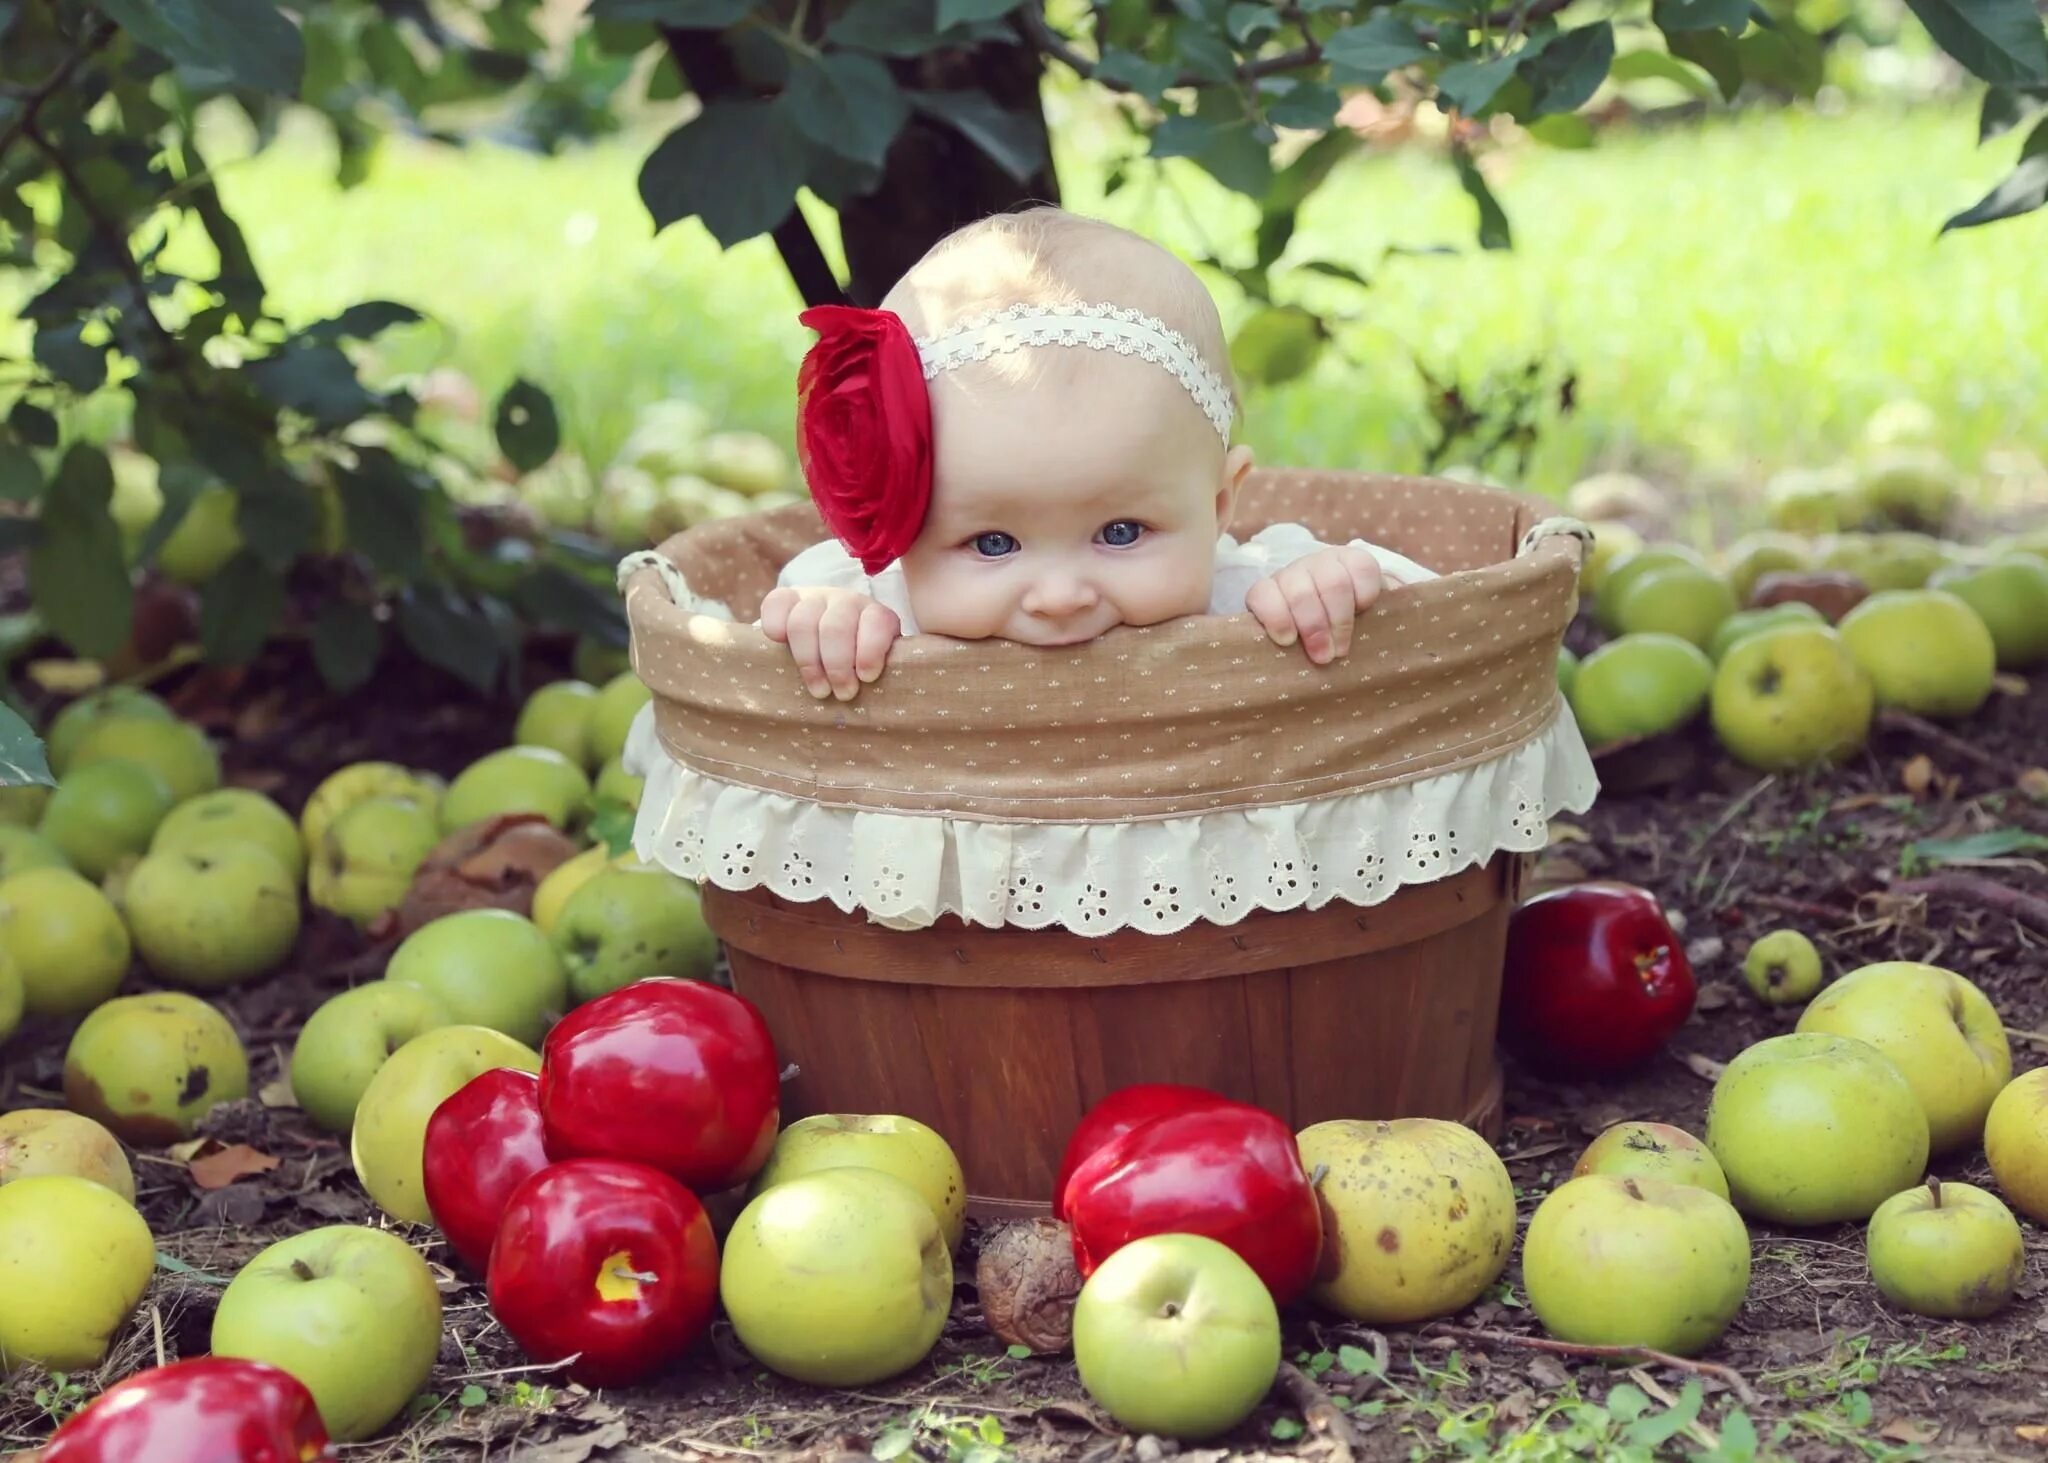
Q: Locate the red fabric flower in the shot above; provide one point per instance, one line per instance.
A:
(864, 431)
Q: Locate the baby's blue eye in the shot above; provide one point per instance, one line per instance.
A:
(1122, 533)
(994, 545)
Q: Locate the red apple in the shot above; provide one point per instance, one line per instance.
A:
(610, 1263)
(1596, 981)
(672, 1073)
(482, 1142)
(1118, 1113)
(209, 1410)
(1230, 1172)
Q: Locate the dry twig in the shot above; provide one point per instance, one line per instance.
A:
(1322, 1415)
(1728, 1376)
(2028, 909)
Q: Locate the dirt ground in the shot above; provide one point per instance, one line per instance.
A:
(1815, 1367)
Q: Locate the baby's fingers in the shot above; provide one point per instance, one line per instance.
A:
(775, 610)
(1267, 603)
(803, 646)
(838, 632)
(1338, 599)
(1304, 590)
(878, 630)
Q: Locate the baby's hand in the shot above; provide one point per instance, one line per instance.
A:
(839, 638)
(1315, 599)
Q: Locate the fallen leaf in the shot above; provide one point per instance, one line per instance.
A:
(1910, 1430)
(1704, 1067)
(278, 1092)
(1550, 1373)
(218, 1170)
(577, 1448)
(1917, 775)
(2032, 1432)
(185, 1152)
(2009, 684)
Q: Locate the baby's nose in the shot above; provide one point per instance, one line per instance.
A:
(1061, 594)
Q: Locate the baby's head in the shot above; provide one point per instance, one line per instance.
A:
(1073, 489)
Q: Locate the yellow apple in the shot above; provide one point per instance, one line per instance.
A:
(1748, 559)
(350, 1036)
(564, 880)
(1950, 1251)
(1924, 650)
(13, 997)
(103, 814)
(75, 1259)
(1815, 500)
(69, 727)
(391, 1119)
(150, 1067)
(490, 967)
(1678, 599)
(368, 854)
(67, 941)
(618, 785)
(1624, 571)
(211, 914)
(1745, 623)
(1612, 542)
(617, 704)
(628, 924)
(1783, 968)
(35, 1141)
(22, 849)
(558, 716)
(2010, 595)
(898, 1145)
(237, 815)
(2016, 1143)
(177, 751)
(517, 780)
(1791, 696)
(205, 539)
(1653, 1150)
(22, 807)
(360, 782)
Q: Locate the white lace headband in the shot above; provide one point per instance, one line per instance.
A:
(1097, 327)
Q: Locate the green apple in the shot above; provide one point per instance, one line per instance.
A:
(552, 894)
(2010, 595)
(1783, 968)
(1951, 1251)
(22, 850)
(1749, 558)
(1656, 1151)
(667, 437)
(1902, 422)
(2016, 1143)
(352, 1312)
(150, 1067)
(1635, 1261)
(1913, 486)
(1791, 696)
(75, 1259)
(349, 1038)
(1815, 1129)
(1679, 599)
(236, 815)
(517, 780)
(1937, 1028)
(617, 704)
(69, 727)
(1815, 500)
(1176, 1336)
(39, 1140)
(490, 967)
(357, 783)
(596, 662)
(1745, 623)
(212, 914)
(13, 996)
(1612, 542)
(177, 750)
(627, 496)
(898, 1145)
(391, 1119)
(1886, 560)
(67, 941)
(746, 462)
(629, 923)
(1924, 650)
(686, 501)
(1639, 686)
(22, 807)
(105, 813)
(1624, 572)
(839, 1278)
(1418, 1217)
(558, 716)
(366, 858)
(205, 539)
(618, 785)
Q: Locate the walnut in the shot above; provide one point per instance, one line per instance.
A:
(1028, 1282)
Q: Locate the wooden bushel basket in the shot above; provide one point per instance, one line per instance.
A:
(1001, 1037)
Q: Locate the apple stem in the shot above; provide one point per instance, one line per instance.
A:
(1629, 1186)
(1318, 1174)
(790, 1073)
(1934, 1190)
(620, 1272)
(301, 1269)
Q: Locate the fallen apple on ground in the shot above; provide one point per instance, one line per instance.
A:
(1595, 981)
(611, 1263)
(234, 815)
(676, 1074)
(552, 893)
(1950, 1251)
(176, 751)
(1176, 1336)
(75, 1259)
(22, 849)
(557, 716)
(2016, 1143)
(357, 783)
(616, 784)
(104, 814)
(1815, 1129)
(1116, 1114)
(490, 967)
(66, 940)
(37, 1141)
(517, 780)
(1924, 650)
(206, 1409)
(1791, 696)
(1624, 571)
(1612, 542)
(352, 1312)
(1639, 686)
(210, 915)
(2010, 595)
(149, 1067)
(1783, 968)
(612, 717)
(1418, 1215)
(1749, 558)
(840, 1278)
(1685, 600)
(22, 807)
(883, 1141)
(390, 1129)
(1635, 1261)
(1745, 623)
(1653, 1150)
(366, 856)
(1815, 500)
(70, 726)
(349, 1037)
(627, 924)
(482, 1142)
(1937, 1028)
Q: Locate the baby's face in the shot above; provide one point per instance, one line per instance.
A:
(1062, 511)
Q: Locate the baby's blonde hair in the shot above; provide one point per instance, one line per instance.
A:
(1048, 256)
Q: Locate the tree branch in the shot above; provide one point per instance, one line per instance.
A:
(55, 82)
(1727, 1375)
(2028, 909)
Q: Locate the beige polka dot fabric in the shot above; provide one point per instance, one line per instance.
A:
(1193, 716)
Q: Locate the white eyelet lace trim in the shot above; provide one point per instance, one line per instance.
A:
(1098, 327)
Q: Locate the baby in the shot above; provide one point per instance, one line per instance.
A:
(1030, 441)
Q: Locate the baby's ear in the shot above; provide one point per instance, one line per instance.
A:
(1237, 466)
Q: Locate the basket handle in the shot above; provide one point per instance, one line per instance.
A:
(1557, 526)
(672, 579)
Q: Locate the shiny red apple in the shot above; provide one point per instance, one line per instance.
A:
(1596, 980)
(482, 1142)
(676, 1074)
(1118, 1113)
(1230, 1171)
(209, 1410)
(609, 1262)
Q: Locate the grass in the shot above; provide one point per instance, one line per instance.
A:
(1733, 297)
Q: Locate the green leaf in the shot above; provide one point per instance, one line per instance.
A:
(1307, 106)
(2001, 41)
(1714, 52)
(472, 1396)
(1149, 79)
(735, 165)
(22, 761)
(888, 27)
(1364, 54)
(1335, 271)
(555, 599)
(1204, 53)
(1738, 1437)
(1996, 843)
(177, 1266)
(448, 630)
(1277, 344)
(382, 506)
(361, 322)
(2025, 188)
(1013, 141)
(1566, 73)
(346, 645)
(277, 517)
(35, 426)
(21, 476)
(1471, 86)
(528, 432)
(611, 824)
(963, 12)
(1783, 56)
(1627, 1402)
(1696, 15)
(1251, 25)
(76, 573)
(895, 1439)
(1653, 1431)
(1358, 1362)
(246, 42)
(238, 608)
(62, 351)
(847, 102)
(1018, 1351)
(1226, 147)
(1494, 232)
(1660, 66)
(2005, 107)
(1287, 1429)
(689, 14)
(317, 380)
